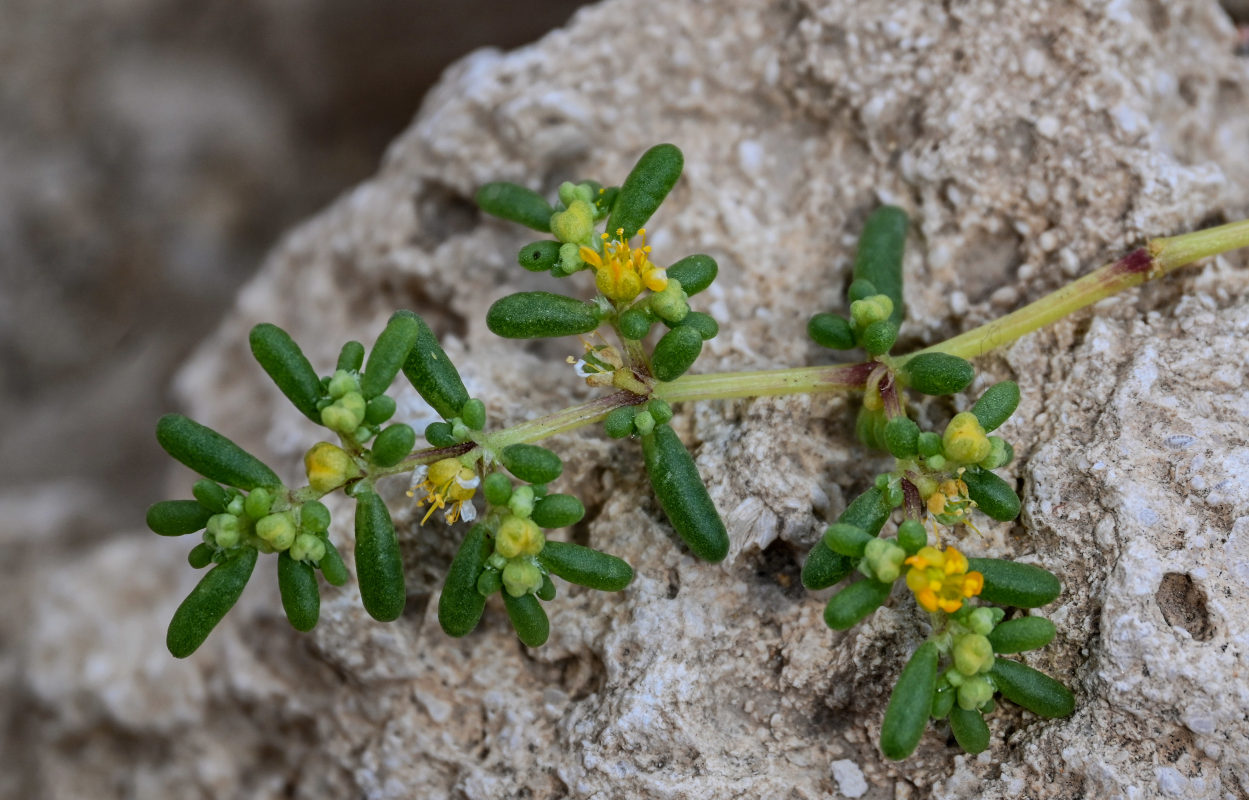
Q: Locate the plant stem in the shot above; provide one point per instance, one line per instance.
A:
(772, 382)
(1159, 257)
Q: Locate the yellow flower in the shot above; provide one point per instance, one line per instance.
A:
(940, 579)
(621, 271)
(447, 484)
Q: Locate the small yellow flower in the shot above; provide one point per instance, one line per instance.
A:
(940, 579)
(447, 484)
(621, 271)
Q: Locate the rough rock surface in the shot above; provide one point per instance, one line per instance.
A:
(1028, 146)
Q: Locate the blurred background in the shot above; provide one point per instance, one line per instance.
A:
(151, 151)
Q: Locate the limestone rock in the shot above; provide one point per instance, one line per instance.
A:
(1028, 147)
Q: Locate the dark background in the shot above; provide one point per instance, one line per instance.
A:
(151, 151)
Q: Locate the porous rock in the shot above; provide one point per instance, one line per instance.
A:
(1028, 146)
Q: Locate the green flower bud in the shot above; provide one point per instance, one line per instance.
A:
(635, 323)
(912, 536)
(973, 655)
(474, 414)
(670, 304)
(490, 582)
(521, 577)
(439, 434)
(982, 619)
(497, 489)
(225, 530)
(644, 423)
(343, 382)
(999, 455)
(308, 547)
(883, 560)
(235, 506)
(878, 338)
(973, 693)
(277, 529)
(521, 500)
(619, 423)
(569, 260)
(518, 537)
(575, 224)
(258, 503)
(928, 444)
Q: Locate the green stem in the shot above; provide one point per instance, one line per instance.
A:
(1159, 257)
(772, 382)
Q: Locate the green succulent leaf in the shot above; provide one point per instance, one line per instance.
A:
(301, 597)
(208, 602)
(211, 454)
(654, 175)
(516, 204)
(879, 257)
(540, 315)
(909, 704)
(379, 565)
(460, 605)
(675, 480)
(289, 368)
